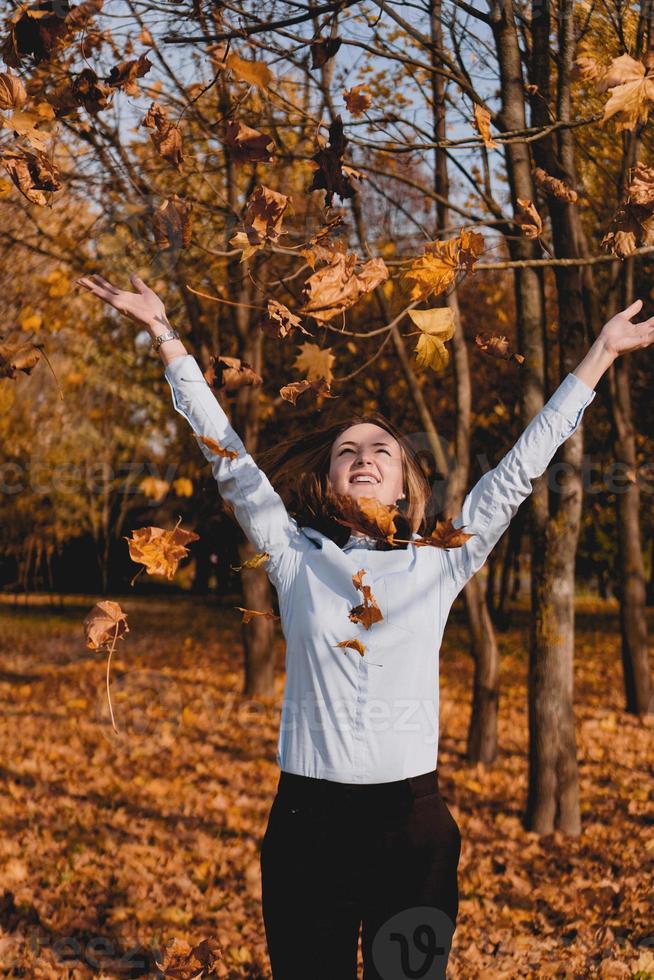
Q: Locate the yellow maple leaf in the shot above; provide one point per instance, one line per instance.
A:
(315, 362)
(254, 72)
(434, 271)
(437, 326)
(632, 91)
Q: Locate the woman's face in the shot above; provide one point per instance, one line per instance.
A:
(367, 449)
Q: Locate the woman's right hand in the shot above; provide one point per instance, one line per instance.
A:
(143, 306)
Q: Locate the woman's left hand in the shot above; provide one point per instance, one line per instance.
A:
(619, 335)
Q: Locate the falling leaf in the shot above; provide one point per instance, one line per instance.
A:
(103, 626)
(253, 72)
(124, 75)
(445, 535)
(36, 32)
(246, 145)
(216, 448)
(255, 562)
(279, 322)
(632, 91)
(552, 185)
(354, 644)
(338, 286)
(231, 373)
(154, 488)
(586, 68)
(87, 90)
(249, 613)
(368, 515)
(32, 173)
(434, 271)
(182, 487)
(437, 326)
(368, 612)
(264, 214)
(482, 123)
(172, 223)
(292, 391)
(497, 346)
(358, 99)
(167, 137)
(18, 357)
(315, 362)
(323, 49)
(529, 219)
(25, 124)
(632, 224)
(159, 550)
(329, 175)
(12, 91)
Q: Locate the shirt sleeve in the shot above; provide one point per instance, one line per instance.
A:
(489, 506)
(258, 508)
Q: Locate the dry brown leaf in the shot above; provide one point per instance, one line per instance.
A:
(216, 448)
(249, 613)
(315, 362)
(158, 550)
(36, 32)
(124, 74)
(632, 92)
(246, 145)
(32, 173)
(482, 124)
(231, 373)
(323, 49)
(278, 321)
(368, 612)
(358, 99)
(18, 356)
(354, 644)
(337, 286)
(368, 515)
(318, 386)
(586, 68)
(172, 223)
(103, 624)
(632, 224)
(87, 90)
(12, 91)
(167, 137)
(529, 219)
(330, 175)
(552, 185)
(184, 962)
(497, 346)
(445, 535)
(264, 215)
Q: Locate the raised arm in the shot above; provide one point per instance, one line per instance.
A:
(258, 508)
(489, 506)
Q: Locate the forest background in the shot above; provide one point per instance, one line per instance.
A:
(427, 208)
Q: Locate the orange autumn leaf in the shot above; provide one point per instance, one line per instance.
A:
(367, 612)
(32, 173)
(528, 218)
(181, 961)
(105, 622)
(445, 535)
(255, 562)
(158, 550)
(18, 356)
(354, 644)
(253, 72)
(12, 91)
(231, 373)
(279, 322)
(357, 99)
(125, 74)
(631, 84)
(249, 613)
(368, 515)
(482, 124)
(216, 447)
(435, 270)
(172, 223)
(337, 286)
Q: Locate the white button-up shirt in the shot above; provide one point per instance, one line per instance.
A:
(370, 718)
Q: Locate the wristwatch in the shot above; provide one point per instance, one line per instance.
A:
(158, 341)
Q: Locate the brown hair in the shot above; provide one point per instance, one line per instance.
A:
(298, 468)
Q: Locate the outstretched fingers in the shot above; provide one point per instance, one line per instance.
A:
(633, 309)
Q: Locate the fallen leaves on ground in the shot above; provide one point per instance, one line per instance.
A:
(124, 842)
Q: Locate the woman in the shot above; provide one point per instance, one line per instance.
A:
(358, 833)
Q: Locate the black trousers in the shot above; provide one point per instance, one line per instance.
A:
(337, 856)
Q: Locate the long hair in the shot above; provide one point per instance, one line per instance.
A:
(298, 468)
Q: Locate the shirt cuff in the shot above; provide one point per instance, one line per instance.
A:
(571, 397)
(184, 368)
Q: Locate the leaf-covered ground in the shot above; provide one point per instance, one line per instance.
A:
(111, 844)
